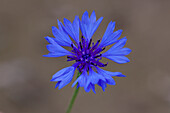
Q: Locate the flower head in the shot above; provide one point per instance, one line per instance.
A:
(86, 55)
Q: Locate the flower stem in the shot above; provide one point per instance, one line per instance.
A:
(74, 96)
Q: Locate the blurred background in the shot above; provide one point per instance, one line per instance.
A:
(25, 75)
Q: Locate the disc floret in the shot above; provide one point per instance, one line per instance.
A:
(86, 54)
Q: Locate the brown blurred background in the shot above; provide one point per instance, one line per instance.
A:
(25, 75)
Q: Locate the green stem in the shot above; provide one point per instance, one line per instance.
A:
(74, 96)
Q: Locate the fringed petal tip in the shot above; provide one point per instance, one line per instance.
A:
(101, 78)
(55, 49)
(72, 28)
(121, 76)
(89, 25)
(61, 37)
(45, 55)
(63, 77)
(117, 53)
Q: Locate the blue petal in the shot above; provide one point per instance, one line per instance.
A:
(55, 49)
(93, 77)
(58, 83)
(102, 84)
(119, 59)
(117, 53)
(66, 80)
(111, 81)
(111, 38)
(121, 76)
(90, 86)
(82, 27)
(93, 17)
(85, 18)
(63, 73)
(81, 80)
(93, 88)
(104, 72)
(95, 26)
(60, 36)
(72, 29)
(63, 76)
(109, 30)
(108, 75)
(89, 81)
(120, 43)
(50, 40)
(89, 25)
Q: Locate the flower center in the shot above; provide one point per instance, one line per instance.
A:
(86, 55)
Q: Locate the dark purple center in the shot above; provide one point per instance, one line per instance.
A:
(86, 55)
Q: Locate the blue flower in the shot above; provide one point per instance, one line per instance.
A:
(86, 55)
